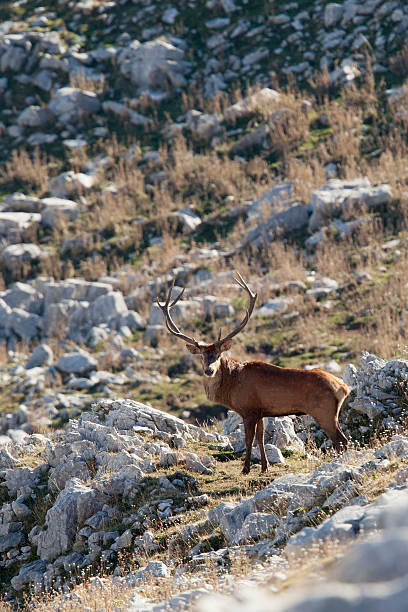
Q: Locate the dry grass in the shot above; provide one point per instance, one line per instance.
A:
(113, 594)
(92, 594)
(398, 63)
(289, 126)
(343, 146)
(321, 85)
(206, 180)
(27, 172)
(80, 81)
(307, 176)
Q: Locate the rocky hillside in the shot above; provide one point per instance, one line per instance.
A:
(146, 142)
(140, 493)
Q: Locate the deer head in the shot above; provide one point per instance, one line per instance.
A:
(210, 353)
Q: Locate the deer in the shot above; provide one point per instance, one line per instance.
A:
(257, 389)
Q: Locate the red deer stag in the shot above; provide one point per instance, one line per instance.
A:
(256, 389)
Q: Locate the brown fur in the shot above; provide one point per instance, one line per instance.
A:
(256, 389)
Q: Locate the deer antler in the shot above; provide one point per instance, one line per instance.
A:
(171, 326)
(252, 300)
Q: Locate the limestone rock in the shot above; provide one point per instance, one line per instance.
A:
(151, 64)
(69, 183)
(34, 116)
(58, 211)
(68, 102)
(72, 507)
(263, 99)
(256, 525)
(338, 196)
(19, 202)
(107, 307)
(12, 222)
(30, 574)
(41, 355)
(15, 256)
(77, 362)
(204, 126)
(24, 324)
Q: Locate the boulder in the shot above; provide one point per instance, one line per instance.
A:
(25, 325)
(19, 477)
(58, 211)
(41, 355)
(107, 307)
(376, 385)
(273, 454)
(182, 311)
(16, 256)
(12, 223)
(272, 201)
(18, 202)
(339, 196)
(189, 219)
(232, 521)
(69, 183)
(68, 103)
(347, 71)
(13, 59)
(274, 306)
(30, 574)
(5, 312)
(295, 217)
(125, 414)
(55, 318)
(34, 116)
(153, 64)
(133, 320)
(379, 559)
(256, 525)
(279, 432)
(333, 13)
(23, 295)
(73, 289)
(72, 507)
(256, 139)
(70, 468)
(11, 540)
(77, 362)
(215, 307)
(263, 99)
(7, 460)
(204, 126)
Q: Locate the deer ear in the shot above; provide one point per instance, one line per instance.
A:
(193, 349)
(226, 345)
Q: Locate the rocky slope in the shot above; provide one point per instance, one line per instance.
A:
(143, 142)
(123, 473)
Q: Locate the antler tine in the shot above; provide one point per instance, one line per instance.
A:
(171, 326)
(180, 295)
(240, 280)
(252, 299)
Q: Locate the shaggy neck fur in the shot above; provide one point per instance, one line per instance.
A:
(217, 388)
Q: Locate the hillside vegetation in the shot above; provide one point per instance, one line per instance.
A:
(145, 142)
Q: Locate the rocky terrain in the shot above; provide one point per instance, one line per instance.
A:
(124, 478)
(146, 142)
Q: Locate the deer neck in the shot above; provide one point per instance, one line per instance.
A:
(217, 387)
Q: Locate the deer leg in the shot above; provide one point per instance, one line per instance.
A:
(249, 426)
(330, 424)
(260, 439)
(340, 443)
